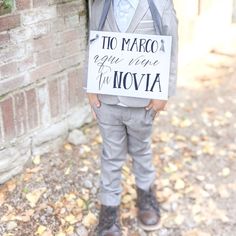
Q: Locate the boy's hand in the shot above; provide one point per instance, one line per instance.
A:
(93, 101)
(157, 105)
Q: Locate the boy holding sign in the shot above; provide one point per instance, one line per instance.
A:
(125, 121)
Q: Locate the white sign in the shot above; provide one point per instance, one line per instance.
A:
(134, 65)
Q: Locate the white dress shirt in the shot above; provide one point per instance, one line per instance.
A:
(124, 11)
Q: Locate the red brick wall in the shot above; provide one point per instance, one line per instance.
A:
(42, 48)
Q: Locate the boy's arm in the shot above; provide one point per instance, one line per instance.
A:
(170, 25)
(93, 98)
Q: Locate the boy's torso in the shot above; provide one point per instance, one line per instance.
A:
(141, 23)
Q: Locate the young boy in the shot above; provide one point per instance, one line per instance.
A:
(125, 122)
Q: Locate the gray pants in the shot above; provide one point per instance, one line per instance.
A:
(124, 130)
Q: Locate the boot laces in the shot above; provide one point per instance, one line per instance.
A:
(108, 218)
(147, 200)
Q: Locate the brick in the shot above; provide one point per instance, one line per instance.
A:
(40, 3)
(73, 86)
(81, 93)
(72, 21)
(20, 34)
(51, 2)
(26, 64)
(38, 15)
(12, 52)
(53, 97)
(9, 22)
(63, 94)
(58, 24)
(4, 38)
(71, 61)
(43, 57)
(20, 113)
(58, 52)
(72, 48)
(31, 101)
(40, 29)
(43, 102)
(43, 43)
(68, 8)
(23, 4)
(8, 119)
(8, 70)
(45, 71)
(12, 83)
(69, 36)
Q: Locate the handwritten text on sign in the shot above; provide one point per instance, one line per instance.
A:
(132, 65)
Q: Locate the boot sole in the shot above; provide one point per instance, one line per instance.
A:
(149, 227)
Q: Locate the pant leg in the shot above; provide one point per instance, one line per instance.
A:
(139, 129)
(114, 151)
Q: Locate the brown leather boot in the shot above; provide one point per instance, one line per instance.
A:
(148, 209)
(108, 222)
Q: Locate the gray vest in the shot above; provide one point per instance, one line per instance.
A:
(155, 15)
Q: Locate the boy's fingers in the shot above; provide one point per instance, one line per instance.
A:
(98, 103)
(149, 106)
(94, 114)
(93, 100)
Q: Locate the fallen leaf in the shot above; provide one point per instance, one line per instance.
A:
(40, 230)
(34, 170)
(179, 219)
(11, 185)
(26, 216)
(84, 169)
(47, 233)
(195, 140)
(86, 148)
(170, 168)
(89, 220)
(67, 147)
(180, 138)
(70, 197)
(60, 234)
(225, 172)
(81, 204)
(8, 217)
(71, 219)
(2, 198)
(127, 198)
(36, 160)
(223, 192)
(196, 208)
(34, 196)
(196, 232)
(165, 194)
(209, 148)
(185, 123)
(70, 230)
(179, 184)
(228, 114)
(67, 171)
(131, 213)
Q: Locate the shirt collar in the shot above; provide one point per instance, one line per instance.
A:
(134, 3)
